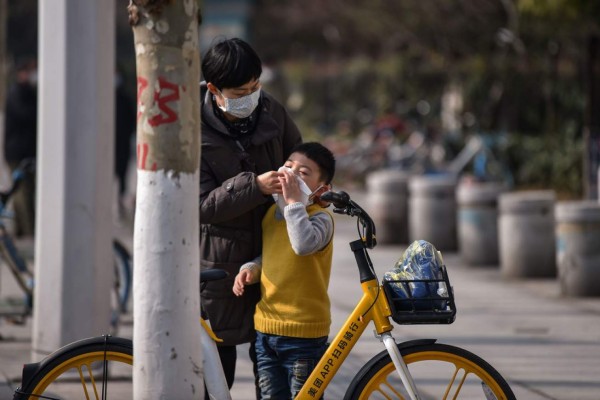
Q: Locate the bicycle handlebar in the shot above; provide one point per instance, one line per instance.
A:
(343, 204)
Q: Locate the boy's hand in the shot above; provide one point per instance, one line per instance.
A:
(290, 187)
(243, 278)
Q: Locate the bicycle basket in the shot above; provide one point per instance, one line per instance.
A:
(421, 301)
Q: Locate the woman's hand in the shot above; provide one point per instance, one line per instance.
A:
(269, 183)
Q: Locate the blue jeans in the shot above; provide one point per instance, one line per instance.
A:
(284, 363)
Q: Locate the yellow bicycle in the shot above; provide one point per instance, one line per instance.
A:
(416, 369)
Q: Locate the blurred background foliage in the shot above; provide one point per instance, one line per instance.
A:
(517, 67)
(514, 70)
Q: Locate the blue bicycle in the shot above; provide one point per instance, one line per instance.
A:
(18, 311)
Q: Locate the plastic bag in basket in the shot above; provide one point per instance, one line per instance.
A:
(421, 260)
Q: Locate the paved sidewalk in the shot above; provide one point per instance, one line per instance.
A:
(547, 346)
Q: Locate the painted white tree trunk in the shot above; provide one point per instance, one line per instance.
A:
(166, 334)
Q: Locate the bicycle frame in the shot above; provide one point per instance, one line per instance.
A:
(373, 306)
(14, 261)
(22, 276)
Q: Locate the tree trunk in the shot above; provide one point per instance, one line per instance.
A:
(166, 334)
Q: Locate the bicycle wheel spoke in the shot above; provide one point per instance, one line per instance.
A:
(392, 390)
(386, 389)
(460, 385)
(74, 372)
(82, 380)
(438, 371)
(452, 383)
(93, 381)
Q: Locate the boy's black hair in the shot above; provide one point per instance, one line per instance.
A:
(320, 155)
(230, 64)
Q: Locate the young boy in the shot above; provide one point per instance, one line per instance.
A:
(293, 316)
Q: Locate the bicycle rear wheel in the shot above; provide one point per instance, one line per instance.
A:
(440, 372)
(95, 368)
(123, 275)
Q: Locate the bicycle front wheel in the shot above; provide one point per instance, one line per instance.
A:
(95, 368)
(439, 371)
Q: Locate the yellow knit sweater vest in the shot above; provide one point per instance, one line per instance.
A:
(294, 300)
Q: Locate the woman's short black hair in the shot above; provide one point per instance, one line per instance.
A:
(321, 155)
(230, 64)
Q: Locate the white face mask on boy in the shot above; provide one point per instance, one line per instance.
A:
(306, 192)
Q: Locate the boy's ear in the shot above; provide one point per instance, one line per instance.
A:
(322, 190)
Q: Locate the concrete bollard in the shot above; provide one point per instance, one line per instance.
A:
(432, 210)
(526, 232)
(477, 221)
(578, 247)
(387, 196)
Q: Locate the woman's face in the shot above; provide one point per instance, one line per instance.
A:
(237, 102)
(234, 93)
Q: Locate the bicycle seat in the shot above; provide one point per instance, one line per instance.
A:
(213, 275)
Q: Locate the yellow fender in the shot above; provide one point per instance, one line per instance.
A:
(210, 332)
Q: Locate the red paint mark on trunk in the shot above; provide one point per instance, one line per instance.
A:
(142, 155)
(172, 94)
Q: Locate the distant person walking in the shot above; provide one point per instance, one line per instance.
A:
(20, 142)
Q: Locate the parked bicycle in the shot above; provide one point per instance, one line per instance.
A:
(416, 369)
(17, 311)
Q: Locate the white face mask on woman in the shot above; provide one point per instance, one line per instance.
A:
(241, 107)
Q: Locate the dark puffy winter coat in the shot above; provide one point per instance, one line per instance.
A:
(20, 139)
(232, 207)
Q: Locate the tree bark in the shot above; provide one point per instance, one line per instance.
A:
(167, 353)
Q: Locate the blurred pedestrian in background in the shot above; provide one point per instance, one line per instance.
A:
(125, 123)
(20, 141)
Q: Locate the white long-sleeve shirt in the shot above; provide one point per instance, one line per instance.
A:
(307, 234)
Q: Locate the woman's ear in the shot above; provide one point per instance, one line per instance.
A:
(213, 89)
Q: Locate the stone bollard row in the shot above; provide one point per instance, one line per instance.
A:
(578, 247)
(477, 221)
(387, 195)
(432, 205)
(526, 234)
